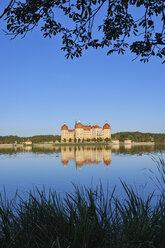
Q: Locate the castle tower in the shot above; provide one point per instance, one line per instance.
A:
(106, 131)
(79, 132)
(64, 133)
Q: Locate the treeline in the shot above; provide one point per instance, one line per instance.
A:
(139, 137)
(35, 139)
(134, 136)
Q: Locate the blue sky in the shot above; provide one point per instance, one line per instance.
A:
(40, 89)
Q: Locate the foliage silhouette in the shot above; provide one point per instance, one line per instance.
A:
(138, 25)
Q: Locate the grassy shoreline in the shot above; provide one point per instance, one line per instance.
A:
(86, 218)
(80, 144)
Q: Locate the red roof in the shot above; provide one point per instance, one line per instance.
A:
(106, 126)
(64, 127)
(87, 128)
(96, 126)
(79, 125)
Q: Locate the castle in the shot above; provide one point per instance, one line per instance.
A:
(85, 133)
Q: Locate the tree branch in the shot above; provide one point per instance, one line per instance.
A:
(7, 8)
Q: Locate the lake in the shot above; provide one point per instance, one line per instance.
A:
(59, 167)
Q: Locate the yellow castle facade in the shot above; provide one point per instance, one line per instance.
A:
(85, 155)
(85, 133)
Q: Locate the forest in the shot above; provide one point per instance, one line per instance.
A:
(35, 139)
(139, 137)
(134, 136)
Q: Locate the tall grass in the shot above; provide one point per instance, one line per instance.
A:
(160, 179)
(87, 218)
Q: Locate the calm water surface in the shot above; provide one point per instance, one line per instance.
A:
(59, 167)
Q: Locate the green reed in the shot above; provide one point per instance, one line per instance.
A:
(87, 218)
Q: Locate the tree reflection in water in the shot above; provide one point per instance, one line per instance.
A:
(86, 154)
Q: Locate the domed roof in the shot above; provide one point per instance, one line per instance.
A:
(79, 125)
(106, 126)
(96, 126)
(64, 127)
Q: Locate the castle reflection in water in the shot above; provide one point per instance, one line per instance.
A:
(85, 155)
(95, 155)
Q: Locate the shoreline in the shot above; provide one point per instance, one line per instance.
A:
(6, 146)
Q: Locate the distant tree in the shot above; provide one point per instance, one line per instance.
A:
(138, 136)
(138, 25)
(130, 137)
(57, 138)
